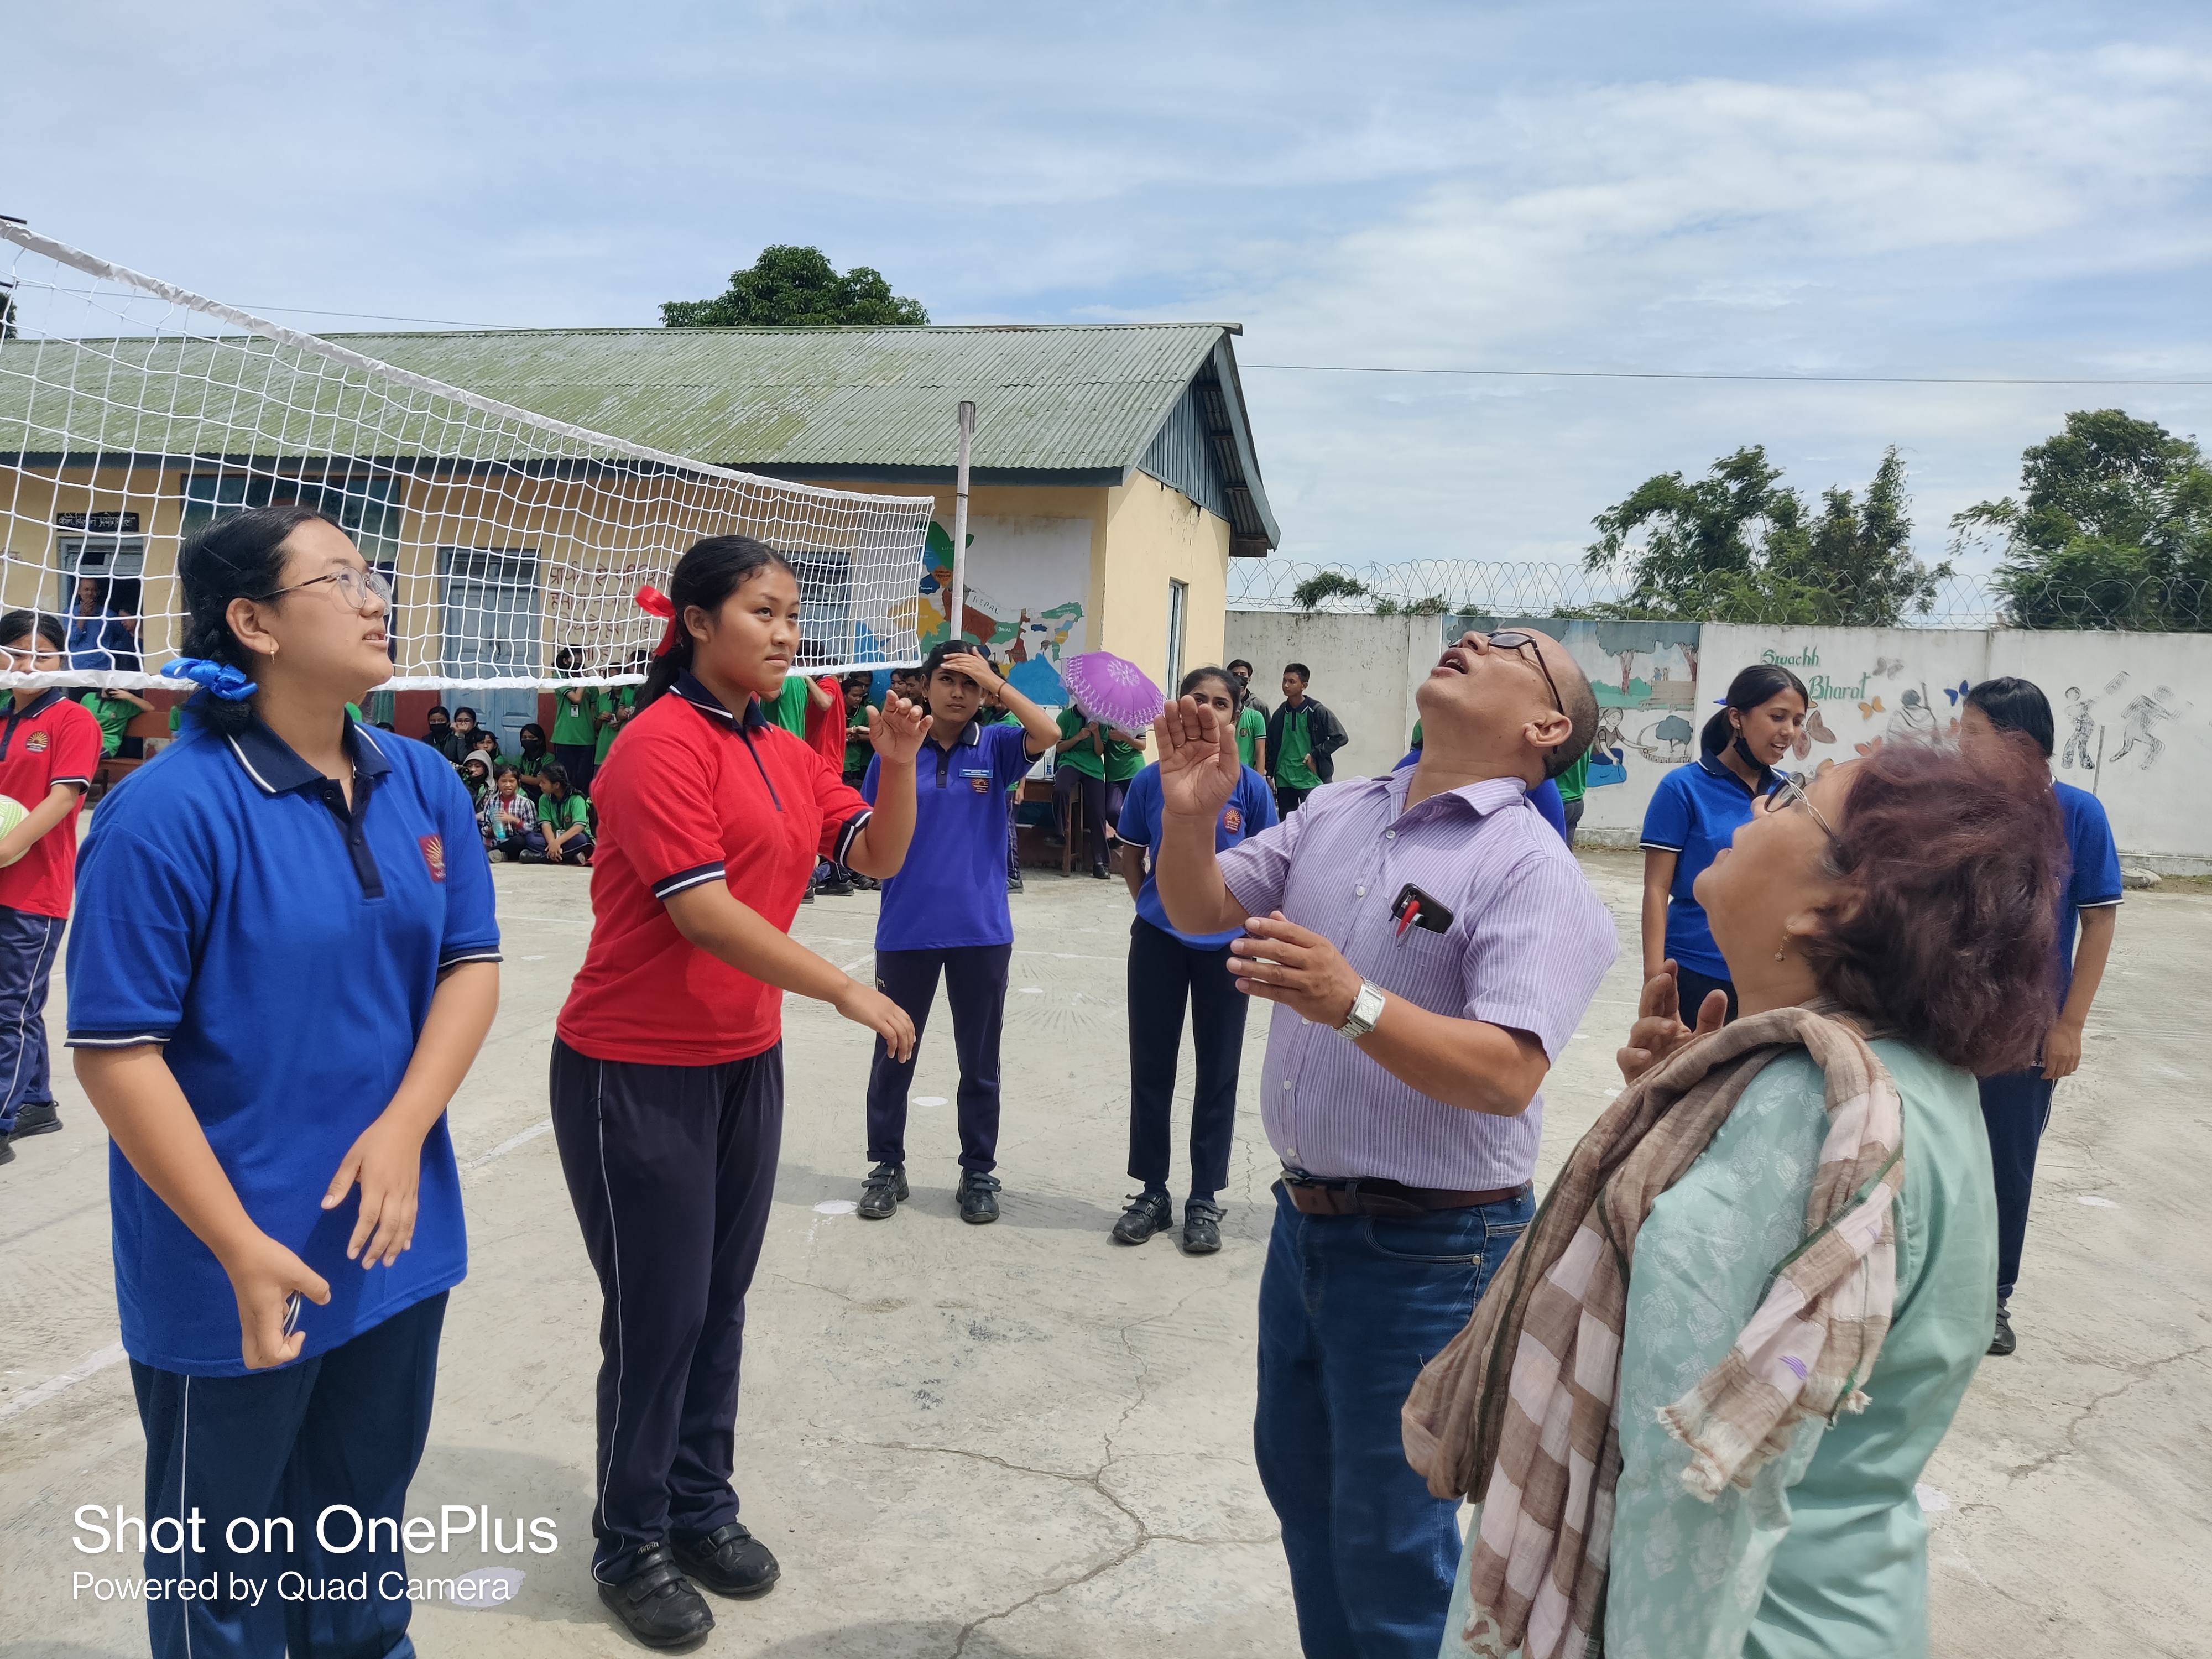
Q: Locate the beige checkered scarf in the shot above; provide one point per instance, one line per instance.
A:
(1519, 1409)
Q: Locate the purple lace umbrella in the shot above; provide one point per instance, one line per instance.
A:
(1113, 690)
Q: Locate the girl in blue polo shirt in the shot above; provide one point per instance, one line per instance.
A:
(1168, 968)
(286, 1209)
(1696, 811)
(946, 914)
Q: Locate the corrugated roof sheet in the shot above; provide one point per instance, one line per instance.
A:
(1063, 400)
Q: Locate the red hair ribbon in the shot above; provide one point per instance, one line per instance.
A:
(654, 603)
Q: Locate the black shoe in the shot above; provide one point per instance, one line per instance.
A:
(978, 1198)
(883, 1191)
(837, 888)
(2004, 1342)
(658, 1604)
(1014, 884)
(37, 1117)
(1201, 1227)
(1101, 873)
(7, 1151)
(1148, 1214)
(729, 1560)
(807, 898)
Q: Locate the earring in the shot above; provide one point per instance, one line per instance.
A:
(1786, 940)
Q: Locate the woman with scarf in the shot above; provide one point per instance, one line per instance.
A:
(1696, 1400)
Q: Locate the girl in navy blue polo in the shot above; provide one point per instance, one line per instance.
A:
(47, 757)
(286, 1209)
(667, 1073)
(947, 915)
(1695, 812)
(1167, 969)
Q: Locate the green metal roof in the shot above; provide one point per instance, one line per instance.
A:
(1080, 404)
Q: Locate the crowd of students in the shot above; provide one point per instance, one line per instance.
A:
(1429, 943)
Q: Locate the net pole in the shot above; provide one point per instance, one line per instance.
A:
(954, 616)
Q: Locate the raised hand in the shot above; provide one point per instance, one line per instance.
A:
(968, 663)
(1199, 764)
(896, 730)
(1658, 1030)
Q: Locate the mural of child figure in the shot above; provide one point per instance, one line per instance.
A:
(2140, 719)
(2081, 730)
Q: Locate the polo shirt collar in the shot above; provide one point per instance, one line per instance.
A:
(276, 768)
(1488, 796)
(37, 705)
(968, 737)
(687, 686)
(1716, 767)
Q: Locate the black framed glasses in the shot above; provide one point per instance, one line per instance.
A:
(1513, 639)
(355, 587)
(1791, 793)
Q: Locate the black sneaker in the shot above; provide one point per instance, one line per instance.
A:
(883, 1191)
(2004, 1342)
(1201, 1227)
(836, 889)
(1148, 1214)
(657, 1603)
(1100, 872)
(37, 1117)
(729, 1560)
(978, 1198)
(1014, 884)
(7, 1150)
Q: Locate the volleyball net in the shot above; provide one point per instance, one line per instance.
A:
(133, 414)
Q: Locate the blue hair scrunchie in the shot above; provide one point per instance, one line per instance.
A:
(219, 679)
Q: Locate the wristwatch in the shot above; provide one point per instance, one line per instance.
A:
(1366, 1009)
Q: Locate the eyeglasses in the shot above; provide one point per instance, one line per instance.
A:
(1792, 794)
(355, 587)
(1512, 639)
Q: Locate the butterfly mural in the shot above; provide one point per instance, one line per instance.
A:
(1868, 710)
(1955, 696)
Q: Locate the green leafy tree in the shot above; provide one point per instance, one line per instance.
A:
(798, 288)
(2112, 529)
(1316, 590)
(1739, 545)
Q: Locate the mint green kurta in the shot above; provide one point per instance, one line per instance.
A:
(1826, 1556)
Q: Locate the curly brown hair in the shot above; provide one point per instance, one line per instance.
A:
(1946, 928)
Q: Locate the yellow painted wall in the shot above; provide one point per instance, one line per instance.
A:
(1156, 534)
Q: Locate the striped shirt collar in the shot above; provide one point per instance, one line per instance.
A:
(687, 686)
(1482, 797)
(276, 768)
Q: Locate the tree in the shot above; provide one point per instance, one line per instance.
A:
(798, 288)
(1315, 590)
(2114, 529)
(1738, 545)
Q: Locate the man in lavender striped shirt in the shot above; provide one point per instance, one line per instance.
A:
(1429, 944)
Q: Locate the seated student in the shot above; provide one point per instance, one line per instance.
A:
(486, 744)
(115, 709)
(438, 732)
(509, 819)
(534, 759)
(476, 772)
(565, 817)
(464, 734)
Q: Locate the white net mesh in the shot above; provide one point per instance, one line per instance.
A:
(133, 413)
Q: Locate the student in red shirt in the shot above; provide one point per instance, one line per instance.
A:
(49, 747)
(667, 1072)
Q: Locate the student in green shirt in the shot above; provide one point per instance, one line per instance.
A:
(1572, 782)
(858, 750)
(576, 724)
(617, 704)
(1079, 768)
(565, 817)
(115, 709)
(790, 710)
(1252, 738)
(1302, 735)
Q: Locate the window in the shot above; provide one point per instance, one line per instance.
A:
(105, 547)
(1178, 609)
(366, 507)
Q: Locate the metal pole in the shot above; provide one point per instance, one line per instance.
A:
(959, 595)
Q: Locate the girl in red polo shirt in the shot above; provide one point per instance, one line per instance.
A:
(667, 1074)
(49, 745)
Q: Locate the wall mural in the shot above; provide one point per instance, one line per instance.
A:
(1027, 579)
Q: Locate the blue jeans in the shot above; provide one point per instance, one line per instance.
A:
(1350, 1309)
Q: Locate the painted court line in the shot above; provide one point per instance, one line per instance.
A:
(91, 1366)
(507, 1145)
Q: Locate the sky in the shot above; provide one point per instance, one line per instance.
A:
(1830, 187)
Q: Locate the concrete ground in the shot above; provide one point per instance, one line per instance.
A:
(1024, 1440)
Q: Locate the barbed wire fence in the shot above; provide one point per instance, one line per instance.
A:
(1488, 588)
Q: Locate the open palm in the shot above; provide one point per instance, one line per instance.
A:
(1199, 766)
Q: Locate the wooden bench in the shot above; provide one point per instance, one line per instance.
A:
(114, 768)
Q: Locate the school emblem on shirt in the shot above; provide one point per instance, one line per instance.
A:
(981, 786)
(35, 741)
(433, 854)
(1232, 820)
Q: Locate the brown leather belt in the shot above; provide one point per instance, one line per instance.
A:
(1313, 1195)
